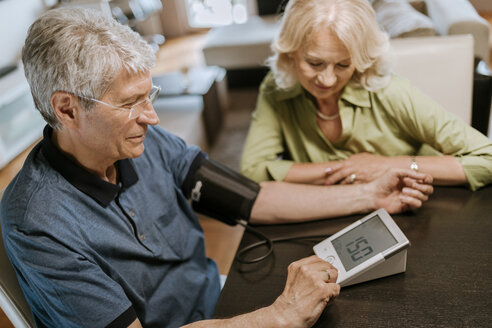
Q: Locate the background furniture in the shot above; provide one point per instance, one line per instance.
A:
(441, 67)
(242, 49)
(142, 16)
(482, 90)
(447, 282)
(20, 123)
(240, 45)
(452, 17)
(182, 116)
(207, 85)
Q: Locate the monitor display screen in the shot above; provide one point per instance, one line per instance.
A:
(363, 242)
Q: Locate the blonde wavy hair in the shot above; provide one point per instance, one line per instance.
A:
(353, 21)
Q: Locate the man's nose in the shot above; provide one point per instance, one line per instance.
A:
(148, 116)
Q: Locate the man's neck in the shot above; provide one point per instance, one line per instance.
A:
(103, 168)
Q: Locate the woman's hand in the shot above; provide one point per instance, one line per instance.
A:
(358, 168)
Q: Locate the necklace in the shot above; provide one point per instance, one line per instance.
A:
(327, 117)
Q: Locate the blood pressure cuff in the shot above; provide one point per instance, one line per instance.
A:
(219, 192)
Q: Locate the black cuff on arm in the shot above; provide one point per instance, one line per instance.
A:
(189, 182)
(219, 192)
(125, 319)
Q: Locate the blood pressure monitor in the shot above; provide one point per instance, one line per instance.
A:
(370, 248)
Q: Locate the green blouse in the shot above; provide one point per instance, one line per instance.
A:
(395, 120)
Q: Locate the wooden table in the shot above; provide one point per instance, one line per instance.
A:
(448, 282)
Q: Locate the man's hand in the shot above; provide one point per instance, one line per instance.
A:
(364, 167)
(311, 285)
(400, 190)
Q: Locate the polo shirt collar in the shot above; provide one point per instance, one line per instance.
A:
(101, 191)
(354, 95)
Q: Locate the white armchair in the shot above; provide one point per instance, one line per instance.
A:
(441, 67)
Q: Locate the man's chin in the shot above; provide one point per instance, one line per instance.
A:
(136, 151)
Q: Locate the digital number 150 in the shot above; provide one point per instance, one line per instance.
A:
(357, 250)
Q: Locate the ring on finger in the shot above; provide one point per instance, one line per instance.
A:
(352, 178)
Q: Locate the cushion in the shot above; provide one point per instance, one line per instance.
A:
(399, 19)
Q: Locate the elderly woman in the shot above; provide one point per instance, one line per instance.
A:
(330, 111)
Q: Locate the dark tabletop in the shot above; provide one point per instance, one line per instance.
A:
(448, 281)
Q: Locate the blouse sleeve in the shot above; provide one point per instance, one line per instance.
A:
(264, 143)
(425, 121)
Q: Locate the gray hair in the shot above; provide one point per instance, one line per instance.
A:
(79, 51)
(353, 21)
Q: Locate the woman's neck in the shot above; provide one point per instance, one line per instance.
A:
(327, 106)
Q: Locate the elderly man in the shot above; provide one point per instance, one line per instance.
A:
(100, 231)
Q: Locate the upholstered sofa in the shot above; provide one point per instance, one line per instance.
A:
(423, 47)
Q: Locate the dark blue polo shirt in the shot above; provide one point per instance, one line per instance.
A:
(91, 254)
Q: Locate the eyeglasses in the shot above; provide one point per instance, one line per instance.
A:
(135, 109)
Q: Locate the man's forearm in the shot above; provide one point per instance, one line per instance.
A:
(264, 318)
(280, 202)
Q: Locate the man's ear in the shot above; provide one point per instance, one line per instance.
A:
(66, 108)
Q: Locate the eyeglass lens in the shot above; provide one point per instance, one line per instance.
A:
(137, 109)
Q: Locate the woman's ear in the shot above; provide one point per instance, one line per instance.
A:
(66, 108)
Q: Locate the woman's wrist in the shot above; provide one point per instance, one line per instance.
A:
(407, 162)
(309, 173)
(413, 164)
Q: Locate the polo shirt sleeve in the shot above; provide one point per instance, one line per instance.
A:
(176, 155)
(425, 121)
(62, 287)
(264, 143)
